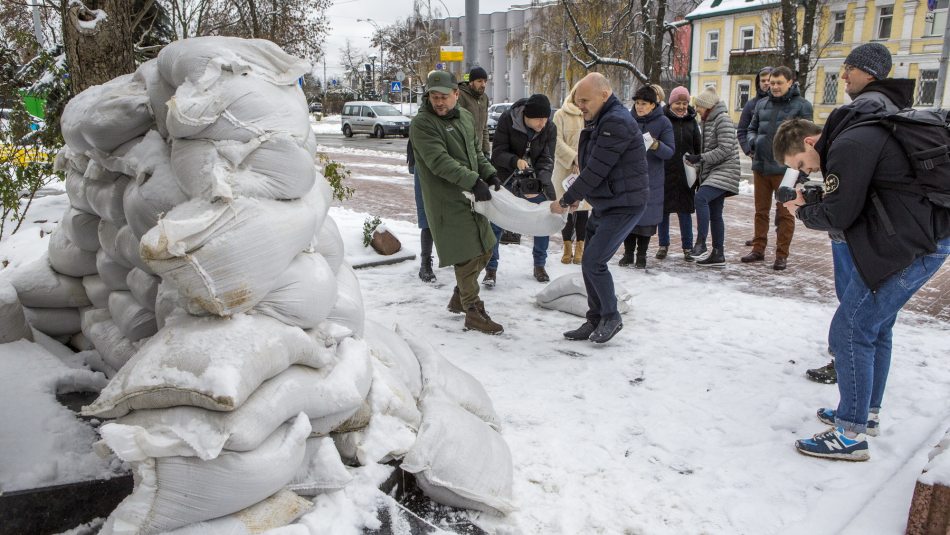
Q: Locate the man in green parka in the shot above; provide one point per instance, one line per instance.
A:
(450, 161)
(472, 97)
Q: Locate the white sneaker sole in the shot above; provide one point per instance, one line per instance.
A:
(853, 457)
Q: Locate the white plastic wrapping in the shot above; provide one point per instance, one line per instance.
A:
(567, 293)
(99, 328)
(54, 321)
(519, 215)
(75, 185)
(329, 243)
(105, 116)
(158, 91)
(38, 285)
(134, 321)
(322, 469)
(96, 290)
(107, 233)
(105, 198)
(144, 287)
(348, 310)
(112, 272)
(127, 247)
(66, 258)
(303, 295)
(82, 229)
(150, 197)
(203, 59)
(275, 512)
(391, 350)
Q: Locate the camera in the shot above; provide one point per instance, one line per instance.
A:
(812, 191)
(526, 182)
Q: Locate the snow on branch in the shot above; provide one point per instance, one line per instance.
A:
(597, 59)
(87, 20)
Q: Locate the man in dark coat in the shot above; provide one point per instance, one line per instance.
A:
(761, 91)
(472, 97)
(614, 181)
(881, 271)
(784, 102)
(525, 140)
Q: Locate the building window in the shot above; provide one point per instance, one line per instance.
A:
(885, 16)
(927, 87)
(837, 33)
(712, 45)
(830, 95)
(936, 20)
(742, 93)
(747, 38)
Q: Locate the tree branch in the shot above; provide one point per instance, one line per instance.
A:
(596, 59)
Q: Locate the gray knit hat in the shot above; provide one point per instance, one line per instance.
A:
(708, 98)
(872, 58)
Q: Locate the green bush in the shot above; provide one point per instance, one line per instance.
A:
(336, 173)
(369, 226)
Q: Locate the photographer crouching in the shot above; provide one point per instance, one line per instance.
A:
(896, 238)
(523, 154)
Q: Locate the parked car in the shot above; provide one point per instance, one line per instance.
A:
(495, 110)
(492, 125)
(316, 107)
(377, 119)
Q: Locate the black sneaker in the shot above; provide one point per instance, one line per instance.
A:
(714, 259)
(425, 271)
(606, 330)
(688, 255)
(581, 333)
(698, 252)
(825, 375)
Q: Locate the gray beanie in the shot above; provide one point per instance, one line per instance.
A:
(707, 99)
(872, 58)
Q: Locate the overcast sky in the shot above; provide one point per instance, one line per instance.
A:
(343, 17)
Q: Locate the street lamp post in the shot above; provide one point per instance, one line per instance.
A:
(382, 66)
(372, 73)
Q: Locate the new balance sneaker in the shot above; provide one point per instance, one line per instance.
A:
(833, 444)
(824, 375)
(874, 420)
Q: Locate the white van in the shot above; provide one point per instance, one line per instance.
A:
(377, 119)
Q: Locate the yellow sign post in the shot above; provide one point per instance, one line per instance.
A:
(451, 53)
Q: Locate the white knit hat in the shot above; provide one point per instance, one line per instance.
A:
(708, 98)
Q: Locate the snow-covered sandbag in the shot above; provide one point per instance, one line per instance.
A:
(271, 167)
(329, 243)
(459, 460)
(203, 59)
(67, 259)
(105, 198)
(348, 310)
(223, 257)
(112, 272)
(238, 108)
(209, 362)
(567, 293)
(12, 317)
(277, 511)
(158, 90)
(105, 116)
(322, 469)
(147, 200)
(328, 396)
(53, 321)
(391, 350)
(80, 343)
(144, 287)
(76, 190)
(304, 293)
(99, 328)
(96, 290)
(440, 376)
(134, 321)
(172, 492)
(128, 246)
(82, 229)
(167, 303)
(519, 215)
(107, 233)
(38, 285)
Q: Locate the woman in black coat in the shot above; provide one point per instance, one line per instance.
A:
(678, 195)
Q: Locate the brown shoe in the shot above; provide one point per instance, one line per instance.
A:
(749, 243)
(540, 274)
(455, 304)
(754, 256)
(475, 320)
(780, 264)
(489, 280)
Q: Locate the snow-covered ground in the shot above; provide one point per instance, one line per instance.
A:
(329, 124)
(684, 423)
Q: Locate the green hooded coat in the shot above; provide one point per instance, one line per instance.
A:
(449, 160)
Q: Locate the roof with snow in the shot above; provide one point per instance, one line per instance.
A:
(715, 8)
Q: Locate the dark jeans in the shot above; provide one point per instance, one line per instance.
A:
(604, 235)
(709, 203)
(686, 230)
(420, 207)
(576, 225)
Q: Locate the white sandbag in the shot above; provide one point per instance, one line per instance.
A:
(304, 293)
(75, 186)
(80, 343)
(322, 469)
(105, 116)
(144, 287)
(158, 90)
(53, 321)
(238, 108)
(392, 351)
(145, 203)
(107, 233)
(127, 245)
(277, 511)
(440, 376)
(324, 395)
(329, 243)
(167, 303)
(223, 257)
(209, 362)
(567, 293)
(271, 167)
(12, 316)
(112, 272)
(172, 492)
(82, 229)
(38, 285)
(204, 59)
(461, 461)
(105, 198)
(99, 328)
(67, 259)
(348, 310)
(134, 321)
(519, 215)
(96, 290)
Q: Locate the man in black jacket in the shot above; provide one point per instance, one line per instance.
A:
(525, 141)
(614, 181)
(761, 91)
(896, 240)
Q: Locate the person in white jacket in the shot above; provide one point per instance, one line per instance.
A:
(569, 122)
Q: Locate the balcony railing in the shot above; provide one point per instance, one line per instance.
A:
(752, 60)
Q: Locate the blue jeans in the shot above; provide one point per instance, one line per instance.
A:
(605, 233)
(420, 207)
(860, 333)
(841, 261)
(540, 250)
(709, 203)
(686, 230)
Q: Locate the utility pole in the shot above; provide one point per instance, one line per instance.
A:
(942, 73)
(324, 78)
(471, 34)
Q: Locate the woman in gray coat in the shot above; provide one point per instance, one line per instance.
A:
(718, 178)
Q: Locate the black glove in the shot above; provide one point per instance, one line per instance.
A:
(549, 193)
(494, 181)
(481, 191)
(693, 158)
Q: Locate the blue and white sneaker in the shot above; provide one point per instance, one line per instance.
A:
(827, 416)
(833, 444)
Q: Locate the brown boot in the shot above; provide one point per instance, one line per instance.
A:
(578, 251)
(568, 255)
(477, 321)
(540, 274)
(455, 304)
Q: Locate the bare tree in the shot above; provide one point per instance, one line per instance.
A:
(411, 45)
(297, 26)
(98, 41)
(800, 55)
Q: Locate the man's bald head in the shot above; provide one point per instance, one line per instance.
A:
(592, 92)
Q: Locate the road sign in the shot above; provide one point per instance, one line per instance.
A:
(395, 87)
(440, 66)
(400, 75)
(334, 82)
(451, 53)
